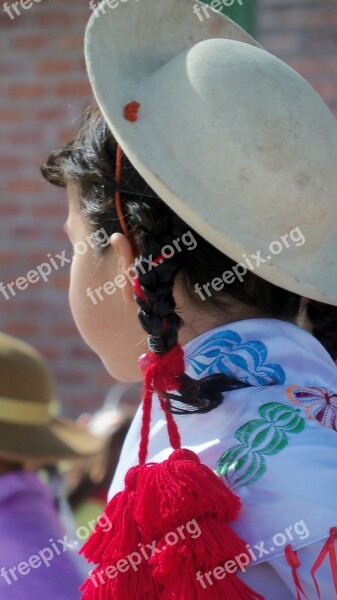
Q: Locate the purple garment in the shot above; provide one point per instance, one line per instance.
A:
(29, 524)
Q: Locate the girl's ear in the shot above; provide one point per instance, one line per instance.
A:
(124, 251)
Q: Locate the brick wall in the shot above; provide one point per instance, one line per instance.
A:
(304, 34)
(43, 89)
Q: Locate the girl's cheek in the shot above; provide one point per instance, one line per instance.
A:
(88, 312)
(78, 299)
(74, 295)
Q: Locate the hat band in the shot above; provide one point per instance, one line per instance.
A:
(25, 413)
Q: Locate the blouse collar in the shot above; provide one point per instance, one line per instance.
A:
(261, 352)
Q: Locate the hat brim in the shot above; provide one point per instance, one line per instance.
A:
(59, 440)
(130, 54)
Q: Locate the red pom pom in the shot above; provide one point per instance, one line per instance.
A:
(170, 497)
(107, 547)
(181, 488)
(188, 587)
(106, 583)
(123, 529)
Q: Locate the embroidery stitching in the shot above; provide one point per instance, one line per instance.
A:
(225, 353)
(320, 404)
(245, 462)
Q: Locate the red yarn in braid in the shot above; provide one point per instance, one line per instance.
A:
(162, 372)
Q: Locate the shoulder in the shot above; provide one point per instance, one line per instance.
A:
(282, 463)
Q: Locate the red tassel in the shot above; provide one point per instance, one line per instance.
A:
(229, 588)
(216, 543)
(119, 543)
(328, 549)
(123, 532)
(294, 562)
(113, 585)
(171, 495)
(161, 499)
(177, 488)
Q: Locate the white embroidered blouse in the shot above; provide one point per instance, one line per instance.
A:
(274, 444)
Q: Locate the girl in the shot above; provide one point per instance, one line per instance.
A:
(227, 146)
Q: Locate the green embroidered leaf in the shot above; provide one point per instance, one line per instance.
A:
(261, 436)
(244, 463)
(277, 443)
(275, 411)
(300, 426)
(270, 410)
(229, 459)
(250, 469)
(243, 460)
(284, 419)
(243, 433)
(296, 423)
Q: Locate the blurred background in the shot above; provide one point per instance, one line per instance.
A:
(43, 91)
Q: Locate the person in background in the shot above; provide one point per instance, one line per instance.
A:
(36, 555)
(89, 480)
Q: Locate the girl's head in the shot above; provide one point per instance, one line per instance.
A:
(180, 304)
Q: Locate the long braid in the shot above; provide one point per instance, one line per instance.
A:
(157, 313)
(156, 276)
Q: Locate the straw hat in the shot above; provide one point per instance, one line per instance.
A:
(29, 429)
(237, 143)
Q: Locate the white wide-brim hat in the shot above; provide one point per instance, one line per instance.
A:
(238, 144)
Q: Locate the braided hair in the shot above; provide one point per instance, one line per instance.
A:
(90, 160)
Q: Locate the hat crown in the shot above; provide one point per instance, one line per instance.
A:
(29, 429)
(24, 374)
(273, 142)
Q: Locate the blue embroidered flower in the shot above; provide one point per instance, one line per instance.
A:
(223, 352)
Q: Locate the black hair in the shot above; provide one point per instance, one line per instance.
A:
(89, 160)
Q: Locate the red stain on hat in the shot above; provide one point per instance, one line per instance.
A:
(131, 111)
